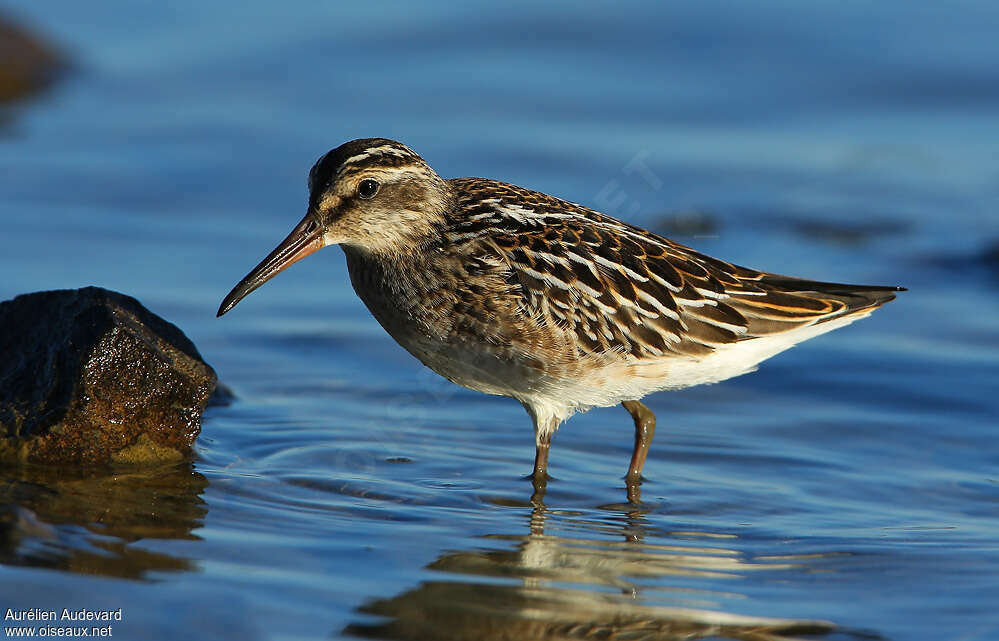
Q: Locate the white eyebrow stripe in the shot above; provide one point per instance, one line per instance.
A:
(356, 158)
(393, 150)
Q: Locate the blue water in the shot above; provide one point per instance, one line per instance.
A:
(348, 491)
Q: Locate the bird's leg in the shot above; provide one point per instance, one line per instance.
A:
(538, 497)
(540, 477)
(645, 428)
(544, 443)
(544, 428)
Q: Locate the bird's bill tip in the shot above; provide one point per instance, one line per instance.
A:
(305, 239)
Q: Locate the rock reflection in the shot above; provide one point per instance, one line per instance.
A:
(88, 521)
(562, 587)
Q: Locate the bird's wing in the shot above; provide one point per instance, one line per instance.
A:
(620, 288)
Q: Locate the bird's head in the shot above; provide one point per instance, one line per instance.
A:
(373, 195)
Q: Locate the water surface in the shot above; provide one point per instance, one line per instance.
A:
(847, 490)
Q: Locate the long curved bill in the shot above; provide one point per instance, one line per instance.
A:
(306, 238)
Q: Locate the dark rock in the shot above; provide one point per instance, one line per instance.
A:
(966, 262)
(990, 255)
(28, 64)
(90, 376)
(844, 232)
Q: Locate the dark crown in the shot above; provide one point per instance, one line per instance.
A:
(358, 155)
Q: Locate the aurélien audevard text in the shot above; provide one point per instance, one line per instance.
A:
(67, 614)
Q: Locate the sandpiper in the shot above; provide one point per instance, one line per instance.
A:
(514, 292)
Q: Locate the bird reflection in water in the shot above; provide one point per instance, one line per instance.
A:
(586, 586)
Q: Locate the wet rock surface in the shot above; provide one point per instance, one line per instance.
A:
(90, 376)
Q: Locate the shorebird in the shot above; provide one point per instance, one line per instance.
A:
(513, 292)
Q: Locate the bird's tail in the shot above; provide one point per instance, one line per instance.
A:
(786, 303)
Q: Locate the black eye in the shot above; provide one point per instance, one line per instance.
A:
(368, 188)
